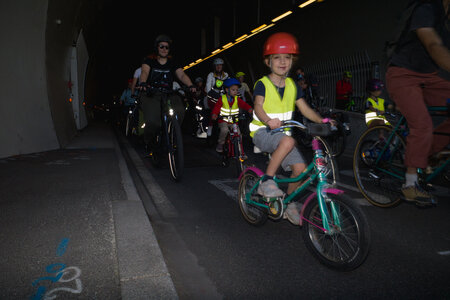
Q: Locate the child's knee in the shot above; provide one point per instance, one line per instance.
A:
(287, 142)
(297, 169)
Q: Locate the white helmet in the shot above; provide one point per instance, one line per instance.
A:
(218, 61)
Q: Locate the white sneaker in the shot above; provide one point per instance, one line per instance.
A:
(209, 130)
(292, 213)
(269, 189)
(201, 134)
(219, 148)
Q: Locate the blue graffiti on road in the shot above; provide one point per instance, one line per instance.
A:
(62, 273)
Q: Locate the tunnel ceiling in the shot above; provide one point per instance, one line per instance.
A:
(122, 33)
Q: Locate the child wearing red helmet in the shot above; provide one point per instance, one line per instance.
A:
(275, 98)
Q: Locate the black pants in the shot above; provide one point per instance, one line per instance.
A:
(151, 106)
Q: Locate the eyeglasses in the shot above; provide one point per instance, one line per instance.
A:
(163, 47)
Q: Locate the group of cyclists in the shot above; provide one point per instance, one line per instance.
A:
(412, 85)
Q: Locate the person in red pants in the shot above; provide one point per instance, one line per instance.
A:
(416, 79)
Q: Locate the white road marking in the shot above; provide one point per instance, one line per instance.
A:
(224, 185)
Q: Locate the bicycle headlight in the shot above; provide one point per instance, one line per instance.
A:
(143, 125)
(171, 112)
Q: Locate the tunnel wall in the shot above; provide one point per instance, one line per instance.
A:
(26, 124)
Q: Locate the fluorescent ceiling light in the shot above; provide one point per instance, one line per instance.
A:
(267, 27)
(306, 3)
(259, 28)
(282, 16)
(198, 60)
(227, 45)
(241, 37)
(216, 51)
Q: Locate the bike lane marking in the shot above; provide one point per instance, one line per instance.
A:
(62, 276)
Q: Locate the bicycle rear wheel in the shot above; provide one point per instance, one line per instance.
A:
(176, 154)
(346, 245)
(380, 182)
(253, 214)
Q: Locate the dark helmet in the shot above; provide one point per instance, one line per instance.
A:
(163, 38)
(231, 81)
(374, 85)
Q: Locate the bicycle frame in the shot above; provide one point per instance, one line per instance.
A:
(400, 127)
(315, 171)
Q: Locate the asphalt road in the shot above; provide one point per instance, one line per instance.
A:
(211, 252)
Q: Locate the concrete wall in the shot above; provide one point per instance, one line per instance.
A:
(25, 117)
(37, 40)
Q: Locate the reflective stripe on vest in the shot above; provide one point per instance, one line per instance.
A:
(226, 110)
(274, 106)
(371, 115)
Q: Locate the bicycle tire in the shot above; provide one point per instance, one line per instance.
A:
(175, 153)
(374, 181)
(237, 156)
(254, 215)
(225, 153)
(347, 244)
(330, 160)
(127, 126)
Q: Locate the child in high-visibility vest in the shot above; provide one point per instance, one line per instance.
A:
(275, 98)
(228, 106)
(375, 106)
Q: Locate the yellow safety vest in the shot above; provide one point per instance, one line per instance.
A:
(226, 110)
(274, 106)
(371, 115)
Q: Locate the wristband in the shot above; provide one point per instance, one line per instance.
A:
(325, 120)
(267, 121)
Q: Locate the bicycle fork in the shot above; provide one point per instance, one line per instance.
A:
(322, 190)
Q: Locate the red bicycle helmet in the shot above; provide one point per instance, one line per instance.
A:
(281, 43)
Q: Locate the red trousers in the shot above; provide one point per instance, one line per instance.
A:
(412, 92)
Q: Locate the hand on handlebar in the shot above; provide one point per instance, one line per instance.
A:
(333, 123)
(142, 86)
(274, 123)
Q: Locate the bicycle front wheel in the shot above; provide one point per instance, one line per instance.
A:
(346, 245)
(379, 168)
(238, 157)
(253, 214)
(333, 171)
(176, 154)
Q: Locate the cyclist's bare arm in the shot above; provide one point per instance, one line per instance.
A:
(434, 46)
(261, 114)
(184, 78)
(307, 111)
(133, 85)
(145, 70)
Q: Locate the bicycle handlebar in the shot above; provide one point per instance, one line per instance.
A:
(313, 129)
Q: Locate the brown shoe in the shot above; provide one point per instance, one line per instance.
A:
(415, 193)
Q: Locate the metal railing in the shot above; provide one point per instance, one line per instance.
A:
(330, 71)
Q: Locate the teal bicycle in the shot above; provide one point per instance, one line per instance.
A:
(335, 228)
(378, 162)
